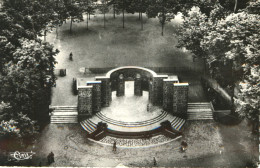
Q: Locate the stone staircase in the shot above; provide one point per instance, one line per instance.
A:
(132, 124)
(200, 111)
(64, 114)
(177, 123)
(88, 126)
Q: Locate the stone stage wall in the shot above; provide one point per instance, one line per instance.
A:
(165, 92)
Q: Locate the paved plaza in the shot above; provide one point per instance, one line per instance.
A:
(208, 144)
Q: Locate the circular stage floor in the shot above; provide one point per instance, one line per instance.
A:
(130, 108)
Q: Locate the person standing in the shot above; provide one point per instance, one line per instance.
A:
(154, 161)
(52, 157)
(49, 159)
(114, 146)
(71, 55)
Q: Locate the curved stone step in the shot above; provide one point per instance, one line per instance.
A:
(132, 124)
(177, 123)
(88, 125)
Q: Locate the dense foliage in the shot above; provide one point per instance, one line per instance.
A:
(26, 68)
(230, 42)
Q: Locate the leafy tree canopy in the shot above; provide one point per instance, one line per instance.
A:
(231, 39)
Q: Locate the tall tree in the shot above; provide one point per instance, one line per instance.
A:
(236, 39)
(230, 42)
(26, 80)
(104, 9)
(165, 10)
(88, 8)
(74, 10)
(10, 32)
(32, 15)
(19, 130)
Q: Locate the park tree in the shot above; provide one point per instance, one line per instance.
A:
(33, 15)
(229, 44)
(16, 129)
(194, 28)
(234, 5)
(10, 32)
(18, 132)
(139, 6)
(129, 6)
(236, 39)
(206, 6)
(88, 7)
(26, 80)
(192, 31)
(74, 10)
(123, 6)
(102, 6)
(26, 67)
(165, 10)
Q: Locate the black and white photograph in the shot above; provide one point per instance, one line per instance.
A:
(129, 83)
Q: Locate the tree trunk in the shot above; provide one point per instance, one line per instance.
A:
(104, 13)
(88, 16)
(123, 18)
(163, 16)
(235, 8)
(70, 24)
(34, 32)
(87, 20)
(142, 24)
(123, 13)
(139, 16)
(162, 28)
(45, 34)
(114, 14)
(57, 31)
(232, 88)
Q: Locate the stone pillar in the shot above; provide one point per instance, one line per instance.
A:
(180, 99)
(157, 88)
(168, 94)
(96, 95)
(84, 101)
(120, 90)
(138, 86)
(106, 95)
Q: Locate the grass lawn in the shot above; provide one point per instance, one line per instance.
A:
(114, 46)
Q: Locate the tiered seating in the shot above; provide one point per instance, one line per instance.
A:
(177, 123)
(88, 126)
(200, 111)
(64, 114)
(132, 124)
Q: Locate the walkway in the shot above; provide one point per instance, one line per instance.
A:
(209, 144)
